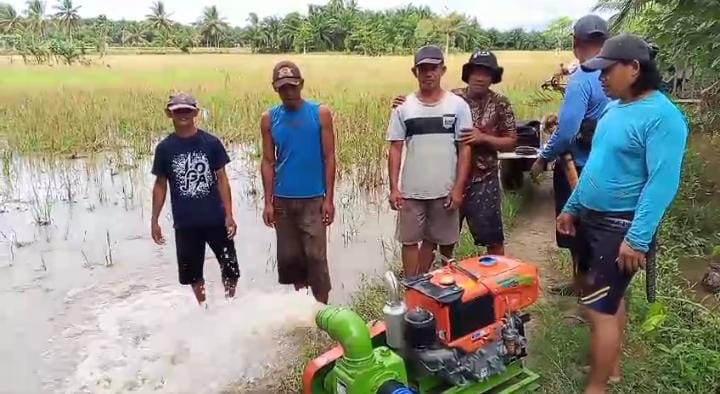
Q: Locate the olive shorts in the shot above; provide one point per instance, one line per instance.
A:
(427, 220)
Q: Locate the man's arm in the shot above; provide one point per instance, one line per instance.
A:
(160, 170)
(665, 148)
(225, 194)
(267, 166)
(328, 146)
(572, 113)
(158, 200)
(396, 136)
(572, 205)
(394, 160)
(219, 160)
(464, 166)
(464, 163)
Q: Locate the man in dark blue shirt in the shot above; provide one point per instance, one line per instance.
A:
(192, 162)
(584, 103)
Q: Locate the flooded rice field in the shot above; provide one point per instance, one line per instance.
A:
(91, 304)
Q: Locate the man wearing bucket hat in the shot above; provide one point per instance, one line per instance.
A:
(494, 130)
(583, 104)
(630, 178)
(192, 161)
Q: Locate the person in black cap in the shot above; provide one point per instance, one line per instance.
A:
(583, 104)
(494, 130)
(192, 161)
(428, 200)
(630, 178)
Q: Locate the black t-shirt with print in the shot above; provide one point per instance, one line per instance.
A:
(190, 165)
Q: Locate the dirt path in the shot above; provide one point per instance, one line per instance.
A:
(532, 238)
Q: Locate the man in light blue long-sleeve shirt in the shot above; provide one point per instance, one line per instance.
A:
(584, 102)
(629, 180)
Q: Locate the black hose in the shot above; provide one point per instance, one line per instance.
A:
(651, 277)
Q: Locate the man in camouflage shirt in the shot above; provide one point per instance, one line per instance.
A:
(494, 131)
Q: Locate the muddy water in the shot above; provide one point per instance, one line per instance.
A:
(693, 269)
(90, 304)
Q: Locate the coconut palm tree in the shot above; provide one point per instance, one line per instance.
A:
(625, 10)
(212, 26)
(36, 20)
(10, 20)
(67, 17)
(159, 18)
(133, 34)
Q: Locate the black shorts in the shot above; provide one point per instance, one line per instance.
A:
(482, 209)
(597, 242)
(561, 193)
(190, 245)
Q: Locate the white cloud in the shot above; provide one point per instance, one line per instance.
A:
(503, 14)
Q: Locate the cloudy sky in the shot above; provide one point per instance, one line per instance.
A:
(501, 14)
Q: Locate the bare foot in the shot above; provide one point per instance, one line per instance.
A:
(615, 378)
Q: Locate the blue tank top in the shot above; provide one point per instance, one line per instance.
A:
(299, 164)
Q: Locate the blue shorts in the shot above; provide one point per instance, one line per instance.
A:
(597, 242)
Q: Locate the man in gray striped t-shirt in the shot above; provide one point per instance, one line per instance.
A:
(436, 165)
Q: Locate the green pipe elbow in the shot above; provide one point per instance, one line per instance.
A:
(346, 327)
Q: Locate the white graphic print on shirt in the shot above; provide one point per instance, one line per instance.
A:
(193, 176)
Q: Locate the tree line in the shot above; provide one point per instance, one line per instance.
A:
(340, 25)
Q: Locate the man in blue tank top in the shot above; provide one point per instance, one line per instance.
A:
(298, 171)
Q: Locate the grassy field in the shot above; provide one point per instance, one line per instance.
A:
(119, 103)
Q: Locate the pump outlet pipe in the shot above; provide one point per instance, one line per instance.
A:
(349, 330)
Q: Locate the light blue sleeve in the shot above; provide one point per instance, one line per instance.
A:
(665, 143)
(572, 113)
(572, 205)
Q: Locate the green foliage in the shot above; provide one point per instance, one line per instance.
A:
(559, 33)
(337, 26)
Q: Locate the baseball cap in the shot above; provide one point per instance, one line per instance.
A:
(621, 47)
(286, 72)
(591, 26)
(485, 59)
(181, 100)
(429, 54)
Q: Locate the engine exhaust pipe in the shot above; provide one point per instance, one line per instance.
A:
(393, 288)
(394, 313)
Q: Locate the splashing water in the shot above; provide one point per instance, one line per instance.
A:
(158, 342)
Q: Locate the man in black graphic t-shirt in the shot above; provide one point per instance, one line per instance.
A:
(192, 162)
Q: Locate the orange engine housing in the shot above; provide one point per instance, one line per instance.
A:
(471, 299)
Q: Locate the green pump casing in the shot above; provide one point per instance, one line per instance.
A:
(361, 369)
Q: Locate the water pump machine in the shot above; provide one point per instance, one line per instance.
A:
(459, 329)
